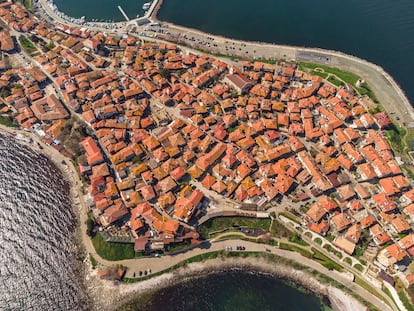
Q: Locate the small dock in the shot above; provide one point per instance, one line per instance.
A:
(123, 13)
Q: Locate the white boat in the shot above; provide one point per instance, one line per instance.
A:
(146, 6)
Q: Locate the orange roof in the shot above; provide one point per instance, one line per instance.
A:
(344, 244)
(388, 186)
(341, 221)
(316, 212)
(367, 221)
(208, 181)
(396, 252)
(354, 233)
(195, 171)
(171, 225)
(148, 192)
(400, 224)
(327, 203)
(320, 228)
(384, 202)
(380, 236)
(407, 241)
(219, 186)
(135, 222)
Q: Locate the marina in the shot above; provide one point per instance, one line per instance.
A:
(99, 11)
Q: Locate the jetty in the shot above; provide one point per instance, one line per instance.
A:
(123, 13)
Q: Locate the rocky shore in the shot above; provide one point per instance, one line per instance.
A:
(115, 294)
(109, 295)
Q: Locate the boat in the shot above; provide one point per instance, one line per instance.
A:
(146, 6)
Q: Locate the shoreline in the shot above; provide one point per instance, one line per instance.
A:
(103, 293)
(339, 58)
(387, 90)
(70, 172)
(56, 159)
(128, 295)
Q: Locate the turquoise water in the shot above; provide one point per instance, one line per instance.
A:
(232, 291)
(381, 31)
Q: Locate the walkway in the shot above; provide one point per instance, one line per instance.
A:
(123, 13)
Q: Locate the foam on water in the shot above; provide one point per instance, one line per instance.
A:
(37, 252)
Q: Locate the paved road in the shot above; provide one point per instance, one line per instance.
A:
(384, 86)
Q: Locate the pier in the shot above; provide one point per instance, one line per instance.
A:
(123, 13)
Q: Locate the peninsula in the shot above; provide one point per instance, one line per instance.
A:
(179, 154)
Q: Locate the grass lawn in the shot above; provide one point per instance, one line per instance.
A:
(346, 76)
(113, 251)
(26, 43)
(359, 267)
(297, 249)
(295, 239)
(335, 81)
(232, 235)
(290, 216)
(348, 260)
(93, 261)
(221, 223)
(403, 297)
(28, 5)
(264, 60)
(280, 230)
(7, 122)
(395, 136)
(325, 261)
(320, 74)
(369, 288)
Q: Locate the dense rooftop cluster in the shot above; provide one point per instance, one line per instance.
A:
(170, 130)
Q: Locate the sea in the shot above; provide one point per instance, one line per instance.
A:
(101, 10)
(233, 290)
(38, 255)
(381, 31)
(39, 258)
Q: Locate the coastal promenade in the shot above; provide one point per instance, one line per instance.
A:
(386, 89)
(393, 99)
(158, 264)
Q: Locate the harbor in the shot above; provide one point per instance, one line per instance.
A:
(97, 13)
(205, 193)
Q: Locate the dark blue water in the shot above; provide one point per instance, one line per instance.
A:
(101, 9)
(232, 291)
(381, 31)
